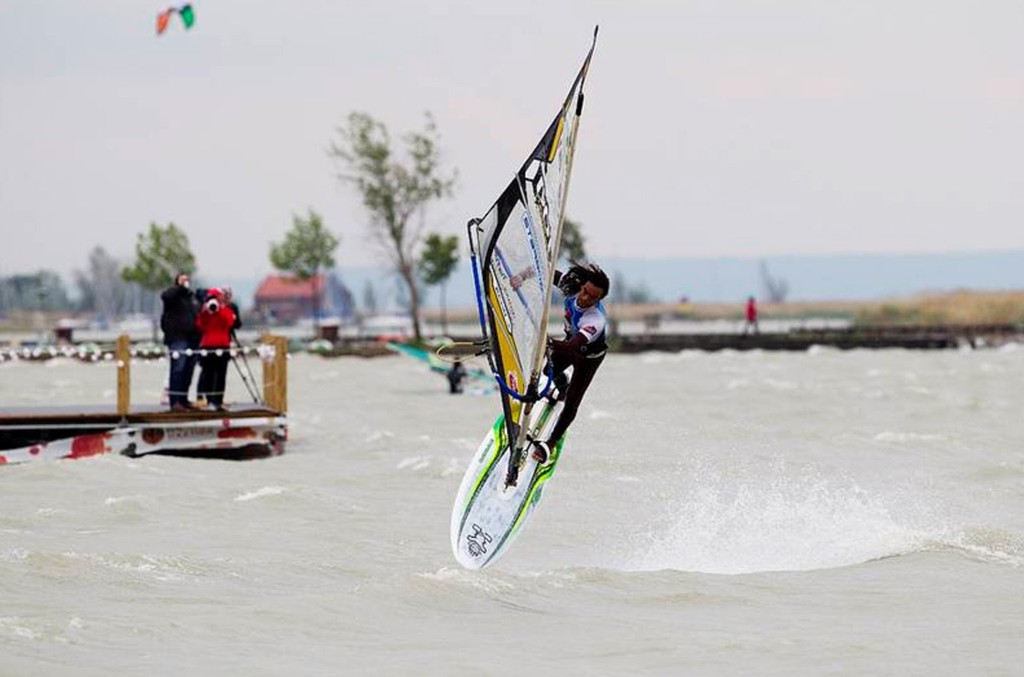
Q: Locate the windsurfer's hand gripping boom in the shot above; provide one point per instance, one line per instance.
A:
(569, 282)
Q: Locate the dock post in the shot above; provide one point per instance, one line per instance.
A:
(275, 374)
(124, 360)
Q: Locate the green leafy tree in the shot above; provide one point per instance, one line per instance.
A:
(437, 263)
(572, 246)
(394, 192)
(160, 254)
(307, 249)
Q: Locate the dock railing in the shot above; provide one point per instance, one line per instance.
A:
(275, 373)
(124, 374)
(273, 352)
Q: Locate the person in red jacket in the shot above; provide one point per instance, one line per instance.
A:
(215, 321)
(751, 313)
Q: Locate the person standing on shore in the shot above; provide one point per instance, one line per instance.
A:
(181, 336)
(751, 312)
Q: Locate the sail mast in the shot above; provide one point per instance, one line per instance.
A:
(556, 237)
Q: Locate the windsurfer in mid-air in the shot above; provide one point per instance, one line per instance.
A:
(583, 348)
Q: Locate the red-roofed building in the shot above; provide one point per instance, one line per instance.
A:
(284, 299)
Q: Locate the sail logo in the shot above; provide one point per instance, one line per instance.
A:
(501, 295)
(540, 198)
(532, 240)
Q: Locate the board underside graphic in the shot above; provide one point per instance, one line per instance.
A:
(488, 515)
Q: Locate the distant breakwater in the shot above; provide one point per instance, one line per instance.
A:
(922, 337)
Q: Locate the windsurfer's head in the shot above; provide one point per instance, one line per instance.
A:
(599, 279)
(594, 288)
(579, 274)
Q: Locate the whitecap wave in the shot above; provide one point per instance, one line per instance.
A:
(260, 493)
(891, 436)
(771, 520)
(414, 463)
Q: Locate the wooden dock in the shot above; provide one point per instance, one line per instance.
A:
(241, 431)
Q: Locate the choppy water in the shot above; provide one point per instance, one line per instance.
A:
(720, 514)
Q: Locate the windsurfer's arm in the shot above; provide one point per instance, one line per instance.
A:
(525, 274)
(573, 346)
(517, 280)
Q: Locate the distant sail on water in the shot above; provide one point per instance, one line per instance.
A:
(520, 235)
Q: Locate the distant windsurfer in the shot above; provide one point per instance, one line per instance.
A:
(583, 348)
(455, 377)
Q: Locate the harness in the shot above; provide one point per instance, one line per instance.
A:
(597, 346)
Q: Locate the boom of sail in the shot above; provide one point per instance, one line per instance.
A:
(514, 249)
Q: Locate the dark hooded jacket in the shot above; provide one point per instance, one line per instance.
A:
(178, 321)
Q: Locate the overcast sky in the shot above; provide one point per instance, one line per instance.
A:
(712, 127)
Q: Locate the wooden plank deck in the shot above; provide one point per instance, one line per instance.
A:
(107, 414)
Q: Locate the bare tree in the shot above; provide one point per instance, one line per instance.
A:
(394, 192)
(100, 286)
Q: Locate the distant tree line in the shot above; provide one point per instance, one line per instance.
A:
(97, 289)
(395, 192)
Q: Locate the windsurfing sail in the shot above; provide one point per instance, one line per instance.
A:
(514, 248)
(437, 364)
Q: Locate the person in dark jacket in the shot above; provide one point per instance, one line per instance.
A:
(215, 321)
(181, 336)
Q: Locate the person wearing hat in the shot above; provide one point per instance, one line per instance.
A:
(215, 321)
